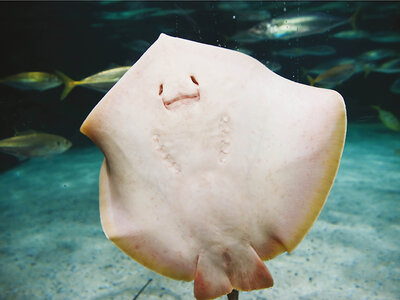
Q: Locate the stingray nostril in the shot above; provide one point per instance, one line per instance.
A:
(161, 89)
(194, 80)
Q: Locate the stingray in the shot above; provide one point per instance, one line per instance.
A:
(213, 163)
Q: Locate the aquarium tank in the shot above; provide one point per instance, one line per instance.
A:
(59, 59)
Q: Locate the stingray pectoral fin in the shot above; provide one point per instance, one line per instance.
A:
(306, 182)
(160, 250)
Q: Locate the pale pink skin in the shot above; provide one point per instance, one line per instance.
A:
(213, 163)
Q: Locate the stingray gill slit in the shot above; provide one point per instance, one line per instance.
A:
(181, 98)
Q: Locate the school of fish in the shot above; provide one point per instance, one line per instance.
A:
(263, 27)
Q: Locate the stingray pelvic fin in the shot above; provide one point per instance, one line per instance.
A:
(242, 271)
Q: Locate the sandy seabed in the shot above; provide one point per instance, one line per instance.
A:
(52, 245)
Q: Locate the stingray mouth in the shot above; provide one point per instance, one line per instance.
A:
(190, 96)
(181, 100)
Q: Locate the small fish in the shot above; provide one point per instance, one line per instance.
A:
(351, 34)
(39, 81)
(335, 75)
(232, 5)
(387, 118)
(247, 37)
(293, 26)
(34, 144)
(143, 13)
(310, 51)
(274, 66)
(320, 68)
(134, 14)
(97, 25)
(389, 67)
(389, 7)
(385, 37)
(102, 81)
(168, 12)
(377, 54)
(138, 45)
(107, 2)
(167, 30)
(395, 88)
(245, 51)
(339, 6)
(254, 15)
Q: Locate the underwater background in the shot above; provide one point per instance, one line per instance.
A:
(52, 245)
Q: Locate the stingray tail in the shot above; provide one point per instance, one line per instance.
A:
(69, 84)
(142, 289)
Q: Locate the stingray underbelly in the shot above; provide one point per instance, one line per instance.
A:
(196, 230)
(195, 143)
(184, 215)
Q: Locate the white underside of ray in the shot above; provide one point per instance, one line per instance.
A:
(212, 163)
